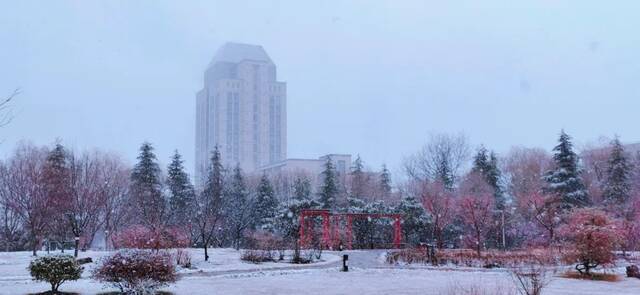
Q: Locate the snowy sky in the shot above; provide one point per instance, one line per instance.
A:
(368, 77)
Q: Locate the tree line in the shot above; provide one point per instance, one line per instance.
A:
(449, 197)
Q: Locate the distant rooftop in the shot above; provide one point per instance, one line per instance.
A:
(237, 52)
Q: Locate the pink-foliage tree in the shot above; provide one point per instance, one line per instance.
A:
(630, 226)
(142, 237)
(475, 208)
(590, 237)
(545, 211)
(439, 203)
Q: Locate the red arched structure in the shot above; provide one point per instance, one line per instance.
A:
(331, 227)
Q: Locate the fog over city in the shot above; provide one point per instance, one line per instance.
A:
(373, 78)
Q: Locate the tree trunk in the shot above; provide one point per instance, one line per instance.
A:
(440, 242)
(77, 245)
(35, 247)
(206, 253)
(478, 243)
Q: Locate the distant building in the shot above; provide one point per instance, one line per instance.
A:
(312, 168)
(242, 109)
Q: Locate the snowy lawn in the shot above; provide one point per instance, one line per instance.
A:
(388, 281)
(227, 274)
(15, 278)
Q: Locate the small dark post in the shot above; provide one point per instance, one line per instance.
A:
(75, 252)
(345, 263)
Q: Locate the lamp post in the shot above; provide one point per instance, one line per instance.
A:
(345, 263)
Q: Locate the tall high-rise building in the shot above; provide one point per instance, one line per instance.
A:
(242, 109)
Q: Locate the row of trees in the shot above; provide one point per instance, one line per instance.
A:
(56, 196)
(449, 198)
(524, 198)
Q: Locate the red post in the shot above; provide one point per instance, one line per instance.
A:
(397, 233)
(326, 230)
(349, 233)
(302, 226)
(336, 231)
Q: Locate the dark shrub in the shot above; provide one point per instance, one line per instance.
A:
(55, 270)
(633, 271)
(257, 256)
(137, 271)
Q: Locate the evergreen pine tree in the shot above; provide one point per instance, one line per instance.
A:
(210, 202)
(329, 188)
(617, 187)
(301, 188)
(181, 190)
(415, 220)
(240, 207)
(146, 189)
(444, 173)
(481, 161)
(486, 164)
(57, 185)
(266, 204)
(564, 179)
(358, 179)
(385, 183)
(214, 187)
(288, 218)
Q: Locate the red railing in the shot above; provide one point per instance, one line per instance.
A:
(331, 227)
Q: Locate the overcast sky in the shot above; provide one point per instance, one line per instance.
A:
(368, 77)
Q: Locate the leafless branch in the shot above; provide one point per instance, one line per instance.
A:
(5, 108)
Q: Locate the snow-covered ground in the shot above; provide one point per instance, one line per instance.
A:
(227, 274)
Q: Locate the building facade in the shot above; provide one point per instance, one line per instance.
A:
(242, 109)
(311, 168)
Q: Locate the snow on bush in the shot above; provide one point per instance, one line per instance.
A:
(55, 270)
(137, 271)
(531, 278)
(141, 237)
(264, 247)
(591, 236)
(183, 258)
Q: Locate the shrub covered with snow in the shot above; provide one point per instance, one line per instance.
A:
(264, 247)
(183, 258)
(137, 271)
(257, 256)
(55, 270)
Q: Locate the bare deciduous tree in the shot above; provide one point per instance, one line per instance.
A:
(26, 192)
(441, 159)
(5, 111)
(85, 198)
(10, 223)
(531, 278)
(116, 181)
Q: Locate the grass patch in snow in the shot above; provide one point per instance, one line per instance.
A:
(602, 277)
